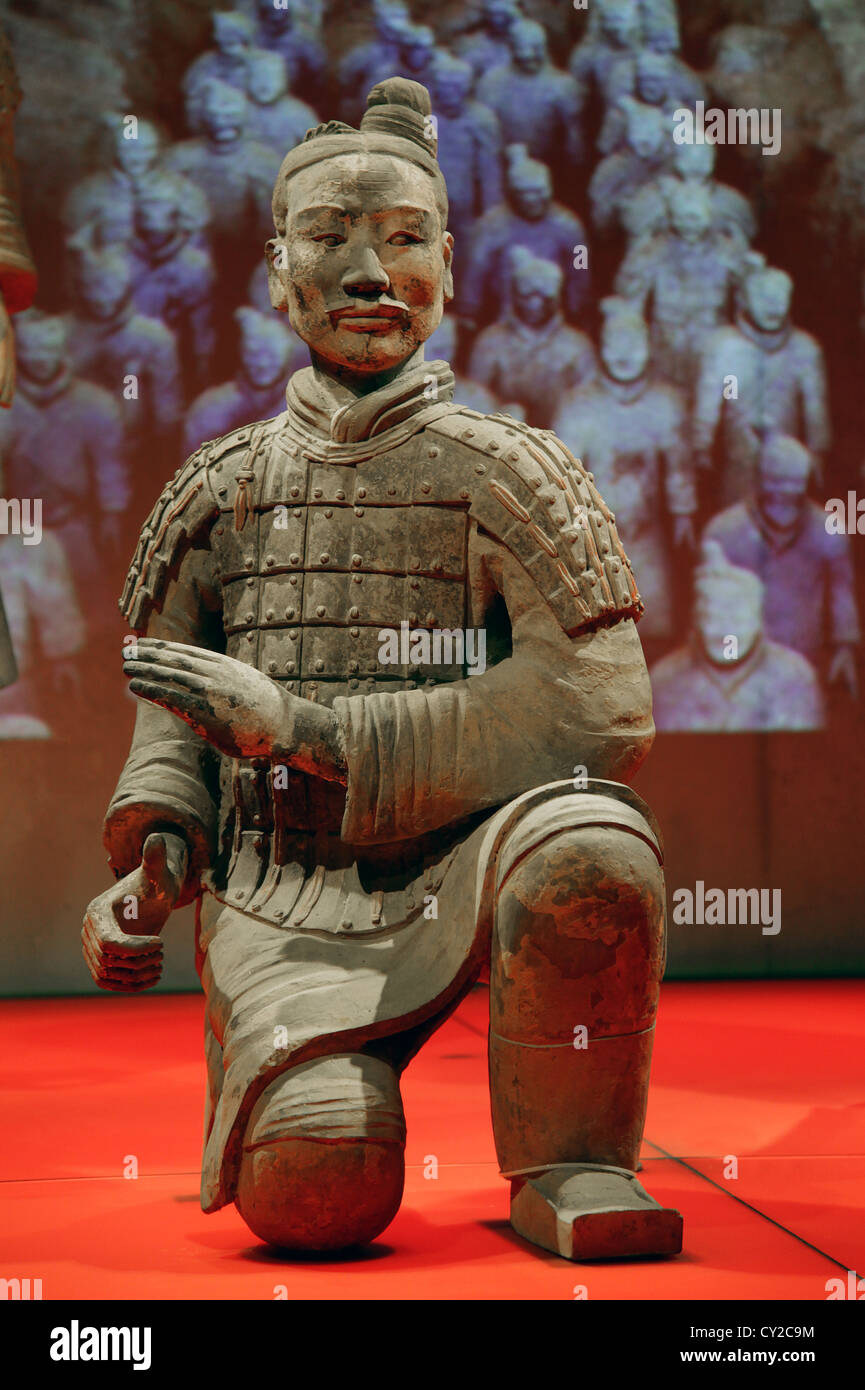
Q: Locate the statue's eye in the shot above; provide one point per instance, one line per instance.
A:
(330, 239)
(403, 239)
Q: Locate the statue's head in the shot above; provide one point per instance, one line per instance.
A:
(159, 209)
(499, 15)
(136, 147)
(535, 285)
(361, 259)
(451, 82)
(768, 296)
(620, 21)
(690, 211)
(417, 44)
(391, 18)
(786, 467)
(654, 71)
(661, 29)
(694, 162)
(624, 340)
(728, 604)
(529, 183)
(104, 282)
(265, 347)
(232, 33)
(222, 110)
(267, 79)
(40, 344)
(646, 128)
(528, 41)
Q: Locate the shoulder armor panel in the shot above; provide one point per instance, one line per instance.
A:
(530, 493)
(184, 508)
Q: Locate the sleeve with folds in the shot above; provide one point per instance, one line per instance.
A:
(421, 759)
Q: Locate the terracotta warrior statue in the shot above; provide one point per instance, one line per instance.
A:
(391, 687)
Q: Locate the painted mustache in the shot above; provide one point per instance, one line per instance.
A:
(380, 308)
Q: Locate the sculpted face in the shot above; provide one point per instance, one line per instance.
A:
(363, 269)
(624, 349)
(724, 610)
(768, 297)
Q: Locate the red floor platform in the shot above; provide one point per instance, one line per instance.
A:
(767, 1074)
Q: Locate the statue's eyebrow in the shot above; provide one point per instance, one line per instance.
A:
(320, 210)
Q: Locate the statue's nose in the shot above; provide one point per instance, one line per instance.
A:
(365, 273)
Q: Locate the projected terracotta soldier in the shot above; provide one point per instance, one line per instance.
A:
(531, 355)
(275, 118)
(613, 32)
(469, 145)
(780, 534)
(536, 103)
(730, 678)
(528, 217)
(360, 832)
(269, 353)
(281, 30)
(648, 212)
(489, 46)
(758, 376)
(685, 282)
(228, 61)
(656, 79)
(362, 66)
(630, 432)
(620, 177)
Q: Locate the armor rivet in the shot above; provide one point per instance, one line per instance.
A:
(414, 564)
(321, 610)
(358, 511)
(354, 612)
(249, 617)
(289, 666)
(433, 452)
(319, 665)
(353, 683)
(256, 820)
(248, 564)
(324, 557)
(295, 492)
(328, 511)
(357, 561)
(292, 636)
(412, 617)
(464, 494)
(297, 512)
(479, 468)
(269, 560)
(469, 434)
(430, 620)
(437, 566)
(361, 492)
(358, 578)
(425, 487)
(269, 615)
(513, 456)
(294, 559)
(316, 492)
(289, 613)
(271, 666)
(293, 580)
(493, 446)
(250, 583)
(219, 530)
(354, 666)
(391, 492)
(250, 636)
(279, 914)
(345, 926)
(222, 491)
(340, 496)
(414, 583)
(355, 631)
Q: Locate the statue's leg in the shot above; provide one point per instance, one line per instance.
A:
(578, 954)
(323, 1155)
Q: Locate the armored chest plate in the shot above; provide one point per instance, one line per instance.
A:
(321, 558)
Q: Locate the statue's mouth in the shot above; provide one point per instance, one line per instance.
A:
(369, 318)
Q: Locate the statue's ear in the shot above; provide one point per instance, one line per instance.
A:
(276, 256)
(448, 255)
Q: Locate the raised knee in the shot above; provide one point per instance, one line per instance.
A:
(322, 1165)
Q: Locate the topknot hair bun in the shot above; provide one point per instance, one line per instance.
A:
(397, 106)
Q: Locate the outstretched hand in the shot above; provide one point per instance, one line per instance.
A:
(237, 708)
